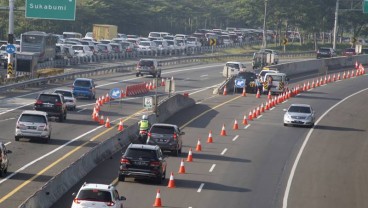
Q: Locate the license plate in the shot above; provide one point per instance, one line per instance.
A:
(47, 105)
(140, 163)
(161, 140)
(31, 127)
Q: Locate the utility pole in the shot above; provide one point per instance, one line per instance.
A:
(264, 42)
(11, 38)
(335, 25)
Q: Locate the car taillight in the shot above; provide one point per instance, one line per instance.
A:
(149, 134)
(58, 104)
(20, 126)
(42, 128)
(39, 102)
(155, 164)
(90, 89)
(175, 136)
(142, 131)
(110, 204)
(77, 201)
(124, 161)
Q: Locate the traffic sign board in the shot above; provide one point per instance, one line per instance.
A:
(284, 41)
(115, 93)
(212, 42)
(147, 102)
(365, 6)
(10, 49)
(239, 83)
(10, 68)
(51, 9)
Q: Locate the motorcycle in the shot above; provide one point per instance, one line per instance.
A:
(142, 136)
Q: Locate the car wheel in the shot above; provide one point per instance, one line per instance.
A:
(176, 152)
(137, 74)
(121, 178)
(158, 179)
(61, 118)
(311, 126)
(164, 176)
(154, 75)
(180, 150)
(2, 173)
(16, 138)
(285, 124)
(159, 75)
(65, 114)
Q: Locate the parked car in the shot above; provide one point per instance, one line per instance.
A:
(53, 104)
(84, 87)
(161, 45)
(349, 52)
(326, 53)
(233, 68)
(148, 66)
(193, 42)
(275, 55)
(116, 47)
(70, 100)
(64, 51)
(249, 84)
(95, 195)
(104, 48)
(167, 136)
(147, 46)
(181, 43)
(105, 41)
(4, 160)
(127, 46)
(299, 115)
(172, 45)
(143, 161)
(34, 125)
(82, 50)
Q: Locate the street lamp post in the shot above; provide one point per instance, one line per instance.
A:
(10, 37)
(335, 25)
(264, 42)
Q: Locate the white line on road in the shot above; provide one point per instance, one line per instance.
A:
(272, 108)
(260, 116)
(293, 169)
(224, 151)
(200, 187)
(247, 126)
(81, 110)
(7, 119)
(7, 143)
(235, 137)
(212, 167)
(204, 75)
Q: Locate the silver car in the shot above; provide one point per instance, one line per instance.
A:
(70, 100)
(34, 125)
(299, 115)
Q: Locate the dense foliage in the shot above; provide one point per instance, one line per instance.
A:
(309, 17)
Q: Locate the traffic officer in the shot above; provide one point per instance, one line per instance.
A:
(144, 123)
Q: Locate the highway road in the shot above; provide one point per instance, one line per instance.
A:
(253, 166)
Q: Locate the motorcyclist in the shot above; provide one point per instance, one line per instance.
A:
(144, 125)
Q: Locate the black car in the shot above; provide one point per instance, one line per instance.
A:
(166, 136)
(4, 162)
(326, 53)
(250, 82)
(53, 104)
(143, 161)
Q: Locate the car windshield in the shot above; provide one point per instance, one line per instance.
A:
(350, 50)
(324, 50)
(299, 109)
(247, 76)
(191, 39)
(65, 93)
(49, 98)
(125, 44)
(154, 34)
(277, 78)
(32, 118)
(82, 83)
(146, 63)
(158, 42)
(170, 42)
(143, 153)
(145, 43)
(102, 47)
(162, 130)
(232, 65)
(94, 195)
(77, 48)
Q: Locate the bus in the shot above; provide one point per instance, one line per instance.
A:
(39, 42)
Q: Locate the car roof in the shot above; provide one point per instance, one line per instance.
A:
(143, 146)
(233, 62)
(34, 112)
(64, 90)
(164, 124)
(147, 59)
(96, 186)
(85, 79)
(301, 105)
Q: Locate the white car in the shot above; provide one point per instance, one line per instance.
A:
(299, 115)
(70, 100)
(34, 125)
(93, 195)
(82, 50)
(147, 46)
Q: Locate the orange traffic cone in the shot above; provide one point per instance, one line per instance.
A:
(269, 95)
(102, 121)
(258, 95)
(158, 199)
(190, 156)
(262, 108)
(107, 98)
(121, 126)
(245, 122)
(225, 91)
(100, 101)
(338, 76)
(250, 116)
(107, 123)
(96, 117)
(223, 131)
(210, 140)
(199, 146)
(103, 99)
(182, 168)
(150, 87)
(313, 84)
(171, 181)
(162, 82)
(244, 92)
(235, 126)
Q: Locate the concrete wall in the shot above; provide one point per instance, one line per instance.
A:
(61, 183)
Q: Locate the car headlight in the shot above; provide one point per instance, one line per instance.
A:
(287, 116)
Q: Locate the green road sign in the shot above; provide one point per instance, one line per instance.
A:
(365, 6)
(51, 9)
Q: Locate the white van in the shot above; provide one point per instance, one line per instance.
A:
(279, 82)
(232, 68)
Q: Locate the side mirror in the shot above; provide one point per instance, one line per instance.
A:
(284, 110)
(74, 194)
(122, 198)
(8, 151)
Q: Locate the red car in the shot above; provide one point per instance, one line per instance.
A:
(349, 52)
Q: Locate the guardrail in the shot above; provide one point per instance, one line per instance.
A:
(22, 81)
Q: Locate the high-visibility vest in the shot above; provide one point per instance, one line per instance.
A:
(144, 125)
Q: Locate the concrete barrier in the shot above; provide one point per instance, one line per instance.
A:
(61, 183)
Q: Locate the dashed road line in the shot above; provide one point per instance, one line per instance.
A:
(7, 143)
(200, 188)
(236, 137)
(212, 167)
(260, 116)
(247, 126)
(81, 110)
(224, 151)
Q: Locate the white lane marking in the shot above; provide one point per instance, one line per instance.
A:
(204, 75)
(247, 126)
(236, 137)
(260, 116)
(272, 108)
(47, 154)
(292, 172)
(212, 167)
(7, 143)
(81, 110)
(13, 109)
(224, 151)
(200, 187)
(285, 101)
(7, 119)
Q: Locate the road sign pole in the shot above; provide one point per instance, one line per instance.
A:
(10, 38)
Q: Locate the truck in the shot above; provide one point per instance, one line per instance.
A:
(104, 32)
(279, 82)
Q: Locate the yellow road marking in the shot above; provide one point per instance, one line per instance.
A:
(62, 158)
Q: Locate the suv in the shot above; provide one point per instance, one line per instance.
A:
(326, 53)
(53, 104)
(250, 84)
(143, 161)
(148, 66)
(84, 87)
(97, 195)
(4, 162)
(33, 124)
(166, 136)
